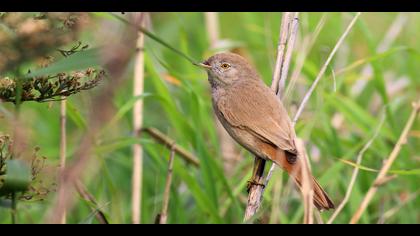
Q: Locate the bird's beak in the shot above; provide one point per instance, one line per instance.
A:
(203, 65)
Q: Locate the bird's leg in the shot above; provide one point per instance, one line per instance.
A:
(257, 174)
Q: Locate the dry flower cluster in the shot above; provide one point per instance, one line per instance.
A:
(5, 145)
(48, 88)
(38, 187)
(33, 38)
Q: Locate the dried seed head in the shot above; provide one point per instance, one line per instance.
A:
(7, 83)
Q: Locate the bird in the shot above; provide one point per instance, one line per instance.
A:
(255, 118)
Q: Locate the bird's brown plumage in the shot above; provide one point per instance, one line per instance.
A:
(253, 115)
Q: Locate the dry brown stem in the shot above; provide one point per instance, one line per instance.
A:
(387, 164)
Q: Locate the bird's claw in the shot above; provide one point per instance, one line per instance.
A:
(252, 183)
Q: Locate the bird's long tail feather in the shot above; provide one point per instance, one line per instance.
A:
(320, 198)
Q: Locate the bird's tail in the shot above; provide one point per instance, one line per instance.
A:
(321, 199)
(293, 166)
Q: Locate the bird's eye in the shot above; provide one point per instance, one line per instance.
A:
(225, 65)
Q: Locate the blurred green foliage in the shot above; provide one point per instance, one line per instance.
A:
(335, 124)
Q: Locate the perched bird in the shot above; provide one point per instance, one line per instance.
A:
(253, 115)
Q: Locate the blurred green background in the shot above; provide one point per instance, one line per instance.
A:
(379, 69)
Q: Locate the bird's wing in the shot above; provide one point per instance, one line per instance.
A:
(253, 106)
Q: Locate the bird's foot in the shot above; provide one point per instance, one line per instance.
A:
(253, 183)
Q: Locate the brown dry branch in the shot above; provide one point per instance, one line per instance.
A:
(137, 124)
(228, 149)
(256, 186)
(307, 188)
(284, 34)
(168, 142)
(255, 189)
(115, 59)
(294, 24)
(83, 192)
(356, 171)
(382, 175)
(163, 217)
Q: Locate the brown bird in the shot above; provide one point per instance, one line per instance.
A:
(253, 115)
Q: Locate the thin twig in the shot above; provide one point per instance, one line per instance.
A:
(388, 163)
(63, 147)
(306, 46)
(100, 215)
(307, 187)
(284, 32)
(334, 80)
(14, 208)
(166, 194)
(137, 124)
(356, 171)
(162, 138)
(323, 68)
(288, 57)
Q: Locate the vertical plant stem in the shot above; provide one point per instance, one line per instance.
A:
(137, 177)
(167, 192)
(14, 208)
(281, 46)
(387, 165)
(324, 67)
(255, 189)
(63, 150)
(228, 148)
(288, 56)
(307, 188)
(212, 25)
(256, 186)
